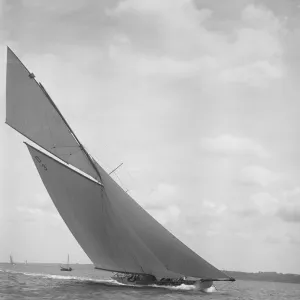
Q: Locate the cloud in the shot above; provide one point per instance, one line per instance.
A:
(254, 74)
(258, 175)
(164, 194)
(265, 203)
(173, 37)
(291, 193)
(211, 233)
(273, 240)
(230, 145)
(28, 210)
(290, 213)
(165, 215)
(246, 213)
(1, 8)
(242, 234)
(32, 214)
(260, 16)
(212, 208)
(56, 6)
(283, 238)
(294, 239)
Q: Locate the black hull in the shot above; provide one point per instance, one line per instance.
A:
(163, 283)
(66, 269)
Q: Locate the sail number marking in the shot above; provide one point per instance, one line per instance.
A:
(40, 162)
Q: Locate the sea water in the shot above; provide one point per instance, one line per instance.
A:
(46, 281)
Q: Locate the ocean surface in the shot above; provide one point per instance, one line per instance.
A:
(46, 281)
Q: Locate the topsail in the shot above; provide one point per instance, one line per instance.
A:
(30, 111)
(114, 231)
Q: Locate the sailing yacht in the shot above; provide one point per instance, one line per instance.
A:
(66, 267)
(116, 233)
(11, 261)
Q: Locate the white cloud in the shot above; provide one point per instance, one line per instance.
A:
(265, 203)
(231, 145)
(163, 195)
(212, 208)
(243, 234)
(259, 175)
(254, 74)
(290, 213)
(291, 193)
(56, 5)
(30, 211)
(289, 209)
(211, 233)
(166, 215)
(260, 16)
(181, 42)
(182, 10)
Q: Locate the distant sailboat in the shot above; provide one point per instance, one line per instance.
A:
(66, 267)
(116, 233)
(11, 261)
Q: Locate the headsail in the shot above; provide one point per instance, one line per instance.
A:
(93, 221)
(11, 260)
(115, 232)
(176, 256)
(30, 111)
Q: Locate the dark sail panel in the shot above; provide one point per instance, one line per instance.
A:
(176, 256)
(87, 211)
(29, 111)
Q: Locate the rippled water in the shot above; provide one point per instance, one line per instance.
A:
(40, 281)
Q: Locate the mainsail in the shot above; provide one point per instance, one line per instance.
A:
(11, 261)
(114, 231)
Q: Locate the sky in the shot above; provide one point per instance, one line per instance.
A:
(198, 98)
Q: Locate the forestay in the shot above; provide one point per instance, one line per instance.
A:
(30, 111)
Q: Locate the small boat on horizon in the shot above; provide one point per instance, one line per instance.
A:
(11, 261)
(66, 267)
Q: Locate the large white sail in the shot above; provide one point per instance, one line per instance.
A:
(83, 204)
(176, 256)
(30, 111)
(11, 260)
(115, 232)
